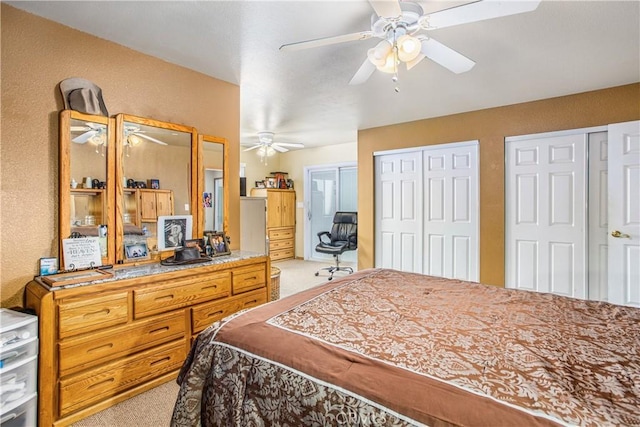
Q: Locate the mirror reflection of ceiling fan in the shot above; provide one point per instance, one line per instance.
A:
(89, 131)
(267, 147)
(133, 134)
(402, 28)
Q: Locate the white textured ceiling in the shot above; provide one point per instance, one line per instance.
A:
(563, 47)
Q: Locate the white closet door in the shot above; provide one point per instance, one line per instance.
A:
(398, 193)
(624, 213)
(598, 177)
(546, 214)
(451, 212)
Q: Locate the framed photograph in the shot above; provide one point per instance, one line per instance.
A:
(173, 231)
(154, 183)
(195, 243)
(217, 243)
(206, 200)
(271, 183)
(136, 251)
(260, 184)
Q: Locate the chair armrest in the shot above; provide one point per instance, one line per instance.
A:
(353, 240)
(324, 233)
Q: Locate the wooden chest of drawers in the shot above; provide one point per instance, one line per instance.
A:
(105, 342)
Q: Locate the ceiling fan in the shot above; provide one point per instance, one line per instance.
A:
(132, 134)
(401, 26)
(88, 131)
(266, 146)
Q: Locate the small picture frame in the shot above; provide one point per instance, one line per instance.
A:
(173, 231)
(195, 243)
(136, 251)
(48, 265)
(218, 244)
(260, 184)
(271, 183)
(154, 184)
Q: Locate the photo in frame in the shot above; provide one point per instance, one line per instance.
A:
(216, 243)
(196, 243)
(173, 231)
(136, 251)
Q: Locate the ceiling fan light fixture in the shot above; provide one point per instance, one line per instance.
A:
(133, 140)
(378, 55)
(408, 48)
(390, 65)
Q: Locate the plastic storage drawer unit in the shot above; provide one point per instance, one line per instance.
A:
(18, 368)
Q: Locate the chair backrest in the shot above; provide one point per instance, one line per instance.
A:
(345, 224)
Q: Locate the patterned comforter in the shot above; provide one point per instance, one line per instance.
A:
(383, 347)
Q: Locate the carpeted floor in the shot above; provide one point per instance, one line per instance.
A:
(154, 408)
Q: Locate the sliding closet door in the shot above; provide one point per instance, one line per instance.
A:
(451, 211)
(399, 218)
(545, 193)
(624, 213)
(427, 212)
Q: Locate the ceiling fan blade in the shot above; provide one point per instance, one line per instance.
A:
(80, 128)
(157, 141)
(81, 139)
(362, 35)
(446, 56)
(478, 11)
(364, 72)
(289, 144)
(386, 8)
(253, 148)
(279, 148)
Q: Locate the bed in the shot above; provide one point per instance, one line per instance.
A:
(382, 347)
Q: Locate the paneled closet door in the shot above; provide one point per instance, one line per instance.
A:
(399, 217)
(624, 213)
(427, 210)
(545, 193)
(451, 212)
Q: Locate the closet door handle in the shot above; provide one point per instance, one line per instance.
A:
(617, 234)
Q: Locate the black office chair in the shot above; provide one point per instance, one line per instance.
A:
(343, 237)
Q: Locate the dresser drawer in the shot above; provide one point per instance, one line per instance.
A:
(281, 254)
(86, 352)
(275, 245)
(281, 233)
(181, 293)
(82, 390)
(78, 317)
(205, 314)
(248, 278)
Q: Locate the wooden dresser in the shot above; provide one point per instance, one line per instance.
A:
(106, 341)
(281, 221)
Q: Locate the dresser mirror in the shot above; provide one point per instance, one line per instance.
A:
(155, 177)
(213, 187)
(86, 180)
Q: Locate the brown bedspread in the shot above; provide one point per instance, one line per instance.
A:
(382, 347)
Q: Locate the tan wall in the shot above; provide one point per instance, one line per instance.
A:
(36, 55)
(490, 127)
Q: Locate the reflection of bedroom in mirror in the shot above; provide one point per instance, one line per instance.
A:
(213, 197)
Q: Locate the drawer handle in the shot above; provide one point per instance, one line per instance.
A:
(104, 312)
(159, 330)
(204, 288)
(100, 348)
(164, 297)
(108, 380)
(251, 278)
(156, 362)
(250, 302)
(216, 313)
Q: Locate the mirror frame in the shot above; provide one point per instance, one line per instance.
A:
(202, 139)
(119, 174)
(64, 179)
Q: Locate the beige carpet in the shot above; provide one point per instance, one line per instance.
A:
(154, 407)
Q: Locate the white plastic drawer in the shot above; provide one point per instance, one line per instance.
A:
(15, 326)
(18, 382)
(15, 354)
(23, 415)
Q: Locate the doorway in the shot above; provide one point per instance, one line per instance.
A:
(328, 189)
